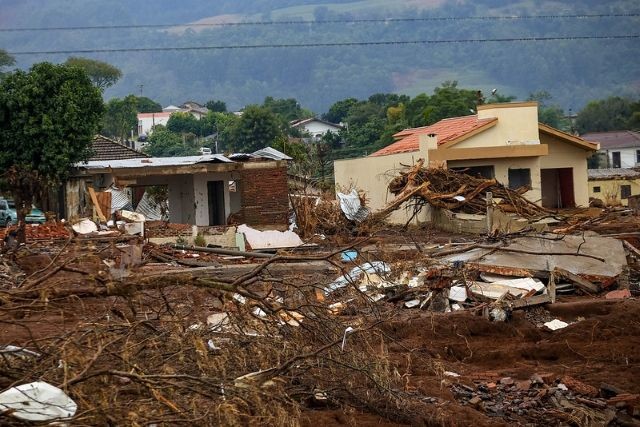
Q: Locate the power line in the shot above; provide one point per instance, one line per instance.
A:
(336, 44)
(328, 21)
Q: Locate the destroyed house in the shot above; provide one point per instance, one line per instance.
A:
(202, 190)
(502, 141)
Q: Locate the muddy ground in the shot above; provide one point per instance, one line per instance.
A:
(467, 370)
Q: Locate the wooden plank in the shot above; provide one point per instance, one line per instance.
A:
(631, 248)
(578, 281)
(96, 205)
(529, 302)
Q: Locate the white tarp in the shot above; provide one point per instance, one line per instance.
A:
(269, 239)
(85, 226)
(37, 401)
(352, 207)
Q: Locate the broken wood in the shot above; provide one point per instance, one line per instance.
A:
(631, 248)
(96, 205)
(223, 251)
(578, 281)
(530, 302)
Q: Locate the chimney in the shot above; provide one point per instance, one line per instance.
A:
(427, 142)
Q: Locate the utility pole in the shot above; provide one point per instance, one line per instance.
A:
(141, 86)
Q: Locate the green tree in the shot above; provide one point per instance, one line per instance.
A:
(102, 74)
(164, 143)
(613, 113)
(180, 123)
(287, 109)
(48, 118)
(450, 101)
(216, 106)
(296, 150)
(257, 128)
(225, 124)
(340, 110)
(548, 113)
(6, 60)
(120, 117)
(146, 105)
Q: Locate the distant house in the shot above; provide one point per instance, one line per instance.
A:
(502, 141)
(315, 128)
(146, 121)
(614, 186)
(107, 149)
(620, 149)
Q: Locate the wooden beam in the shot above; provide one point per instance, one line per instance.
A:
(578, 281)
(533, 150)
(529, 302)
(96, 205)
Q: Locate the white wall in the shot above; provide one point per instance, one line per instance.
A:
(628, 156)
(201, 197)
(318, 128)
(146, 123)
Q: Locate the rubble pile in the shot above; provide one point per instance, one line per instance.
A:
(459, 192)
(122, 331)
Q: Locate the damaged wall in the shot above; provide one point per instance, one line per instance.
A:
(265, 196)
(372, 175)
(565, 155)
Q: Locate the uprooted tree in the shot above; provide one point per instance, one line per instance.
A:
(48, 118)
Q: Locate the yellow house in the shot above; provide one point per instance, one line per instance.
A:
(502, 141)
(614, 186)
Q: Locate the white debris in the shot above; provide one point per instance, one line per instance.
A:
(347, 331)
(368, 268)
(37, 401)
(456, 307)
(562, 387)
(239, 298)
(259, 312)
(270, 238)
(352, 207)
(85, 226)
(412, 303)
(12, 350)
(458, 293)
(498, 315)
(217, 321)
(459, 198)
(450, 374)
(556, 324)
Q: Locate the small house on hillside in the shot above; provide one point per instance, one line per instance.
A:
(315, 128)
(620, 149)
(502, 141)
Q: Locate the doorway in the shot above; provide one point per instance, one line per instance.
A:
(557, 188)
(215, 193)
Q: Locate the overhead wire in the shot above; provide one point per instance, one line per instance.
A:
(329, 44)
(324, 22)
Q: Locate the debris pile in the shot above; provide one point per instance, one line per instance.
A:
(457, 191)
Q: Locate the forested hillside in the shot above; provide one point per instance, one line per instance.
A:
(573, 71)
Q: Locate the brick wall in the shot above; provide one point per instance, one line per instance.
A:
(265, 199)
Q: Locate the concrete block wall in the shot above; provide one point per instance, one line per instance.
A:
(265, 197)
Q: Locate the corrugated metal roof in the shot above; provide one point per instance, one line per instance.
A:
(154, 162)
(609, 173)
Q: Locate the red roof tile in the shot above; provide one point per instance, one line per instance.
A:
(446, 130)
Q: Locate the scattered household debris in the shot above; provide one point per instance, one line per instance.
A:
(36, 401)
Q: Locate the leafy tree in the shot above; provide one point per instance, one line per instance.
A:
(257, 128)
(180, 123)
(216, 106)
(450, 101)
(225, 124)
(147, 105)
(340, 110)
(120, 117)
(288, 109)
(613, 113)
(164, 143)
(6, 60)
(296, 150)
(548, 113)
(103, 75)
(48, 118)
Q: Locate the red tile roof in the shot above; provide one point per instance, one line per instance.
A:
(447, 130)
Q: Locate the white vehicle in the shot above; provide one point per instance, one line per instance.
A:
(205, 151)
